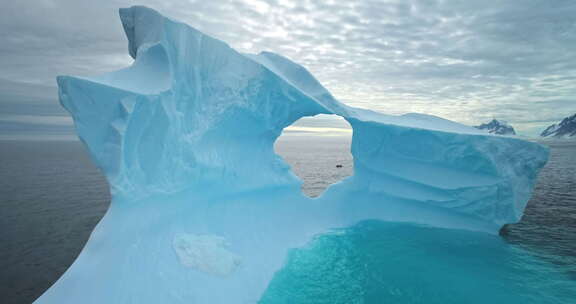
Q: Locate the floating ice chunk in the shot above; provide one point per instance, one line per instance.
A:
(207, 253)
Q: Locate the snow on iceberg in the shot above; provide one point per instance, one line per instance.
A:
(207, 253)
(204, 211)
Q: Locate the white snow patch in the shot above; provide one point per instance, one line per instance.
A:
(206, 253)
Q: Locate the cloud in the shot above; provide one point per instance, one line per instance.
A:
(318, 131)
(467, 61)
(320, 125)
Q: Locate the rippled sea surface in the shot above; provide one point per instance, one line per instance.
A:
(51, 197)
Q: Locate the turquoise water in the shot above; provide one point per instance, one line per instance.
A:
(377, 262)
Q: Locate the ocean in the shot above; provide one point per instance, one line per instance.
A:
(52, 196)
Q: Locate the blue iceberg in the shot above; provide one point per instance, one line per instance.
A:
(204, 211)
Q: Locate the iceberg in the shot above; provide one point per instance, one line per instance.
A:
(204, 211)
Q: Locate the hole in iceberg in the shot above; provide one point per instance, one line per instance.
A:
(318, 150)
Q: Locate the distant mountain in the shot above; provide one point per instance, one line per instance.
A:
(499, 127)
(566, 128)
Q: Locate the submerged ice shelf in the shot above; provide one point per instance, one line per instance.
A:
(204, 211)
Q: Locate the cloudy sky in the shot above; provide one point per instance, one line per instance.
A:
(468, 61)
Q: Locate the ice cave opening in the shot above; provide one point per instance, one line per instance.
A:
(301, 143)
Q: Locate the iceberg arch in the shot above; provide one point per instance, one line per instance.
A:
(204, 211)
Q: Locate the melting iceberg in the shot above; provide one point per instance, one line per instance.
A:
(204, 211)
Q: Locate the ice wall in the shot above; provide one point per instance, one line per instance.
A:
(203, 210)
(183, 114)
(446, 166)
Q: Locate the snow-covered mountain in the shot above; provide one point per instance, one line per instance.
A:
(566, 128)
(499, 127)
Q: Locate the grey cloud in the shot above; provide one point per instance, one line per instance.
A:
(463, 60)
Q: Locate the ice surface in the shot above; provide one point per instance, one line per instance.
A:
(203, 209)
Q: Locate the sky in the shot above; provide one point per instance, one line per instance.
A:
(467, 61)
